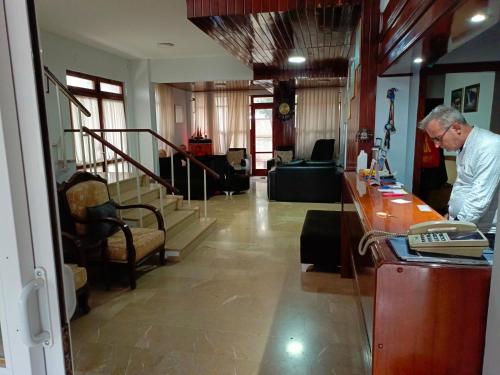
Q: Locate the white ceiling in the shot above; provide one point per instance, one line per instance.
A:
(129, 28)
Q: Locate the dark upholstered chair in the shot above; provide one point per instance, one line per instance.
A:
(89, 214)
(236, 171)
(323, 150)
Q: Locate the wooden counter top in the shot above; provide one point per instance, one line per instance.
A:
(368, 201)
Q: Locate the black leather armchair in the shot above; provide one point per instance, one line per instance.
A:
(196, 176)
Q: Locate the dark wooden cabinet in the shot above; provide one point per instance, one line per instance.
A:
(420, 318)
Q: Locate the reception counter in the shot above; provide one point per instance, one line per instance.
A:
(419, 318)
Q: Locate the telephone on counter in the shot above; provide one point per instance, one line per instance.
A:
(447, 237)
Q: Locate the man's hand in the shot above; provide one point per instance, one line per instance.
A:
(446, 216)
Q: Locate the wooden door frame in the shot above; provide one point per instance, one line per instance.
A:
(253, 107)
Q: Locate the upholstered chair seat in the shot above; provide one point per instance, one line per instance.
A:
(89, 214)
(79, 275)
(145, 240)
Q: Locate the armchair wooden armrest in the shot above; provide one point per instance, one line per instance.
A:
(156, 211)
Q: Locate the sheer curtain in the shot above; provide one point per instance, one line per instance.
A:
(202, 113)
(317, 117)
(91, 122)
(165, 116)
(113, 112)
(231, 120)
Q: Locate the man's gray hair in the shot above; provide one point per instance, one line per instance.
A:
(446, 116)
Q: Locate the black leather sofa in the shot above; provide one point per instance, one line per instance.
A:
(305, 182)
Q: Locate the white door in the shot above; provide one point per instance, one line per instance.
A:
(31, 317)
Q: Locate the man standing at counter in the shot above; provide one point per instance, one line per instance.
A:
(474, 197)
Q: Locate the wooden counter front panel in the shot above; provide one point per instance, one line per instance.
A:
(419, 318)
(430, 320)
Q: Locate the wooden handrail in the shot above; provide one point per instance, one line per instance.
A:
(66, 92)
(130, 160)
(156, 135)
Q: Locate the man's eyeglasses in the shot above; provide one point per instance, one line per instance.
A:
(439, 139)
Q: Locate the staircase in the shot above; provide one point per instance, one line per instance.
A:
(184, 226)
(185, 229)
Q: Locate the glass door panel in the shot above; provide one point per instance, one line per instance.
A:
(262, 137)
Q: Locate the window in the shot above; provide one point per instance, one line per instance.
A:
(105, 101)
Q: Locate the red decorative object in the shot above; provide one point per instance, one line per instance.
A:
(430, 154)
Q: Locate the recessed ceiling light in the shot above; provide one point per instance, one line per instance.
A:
(477, 18)
(166, 44)
(418, 60)
(296, 59)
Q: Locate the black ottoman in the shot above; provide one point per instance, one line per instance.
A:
(320, 239)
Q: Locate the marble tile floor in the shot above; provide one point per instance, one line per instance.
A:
(238, 304)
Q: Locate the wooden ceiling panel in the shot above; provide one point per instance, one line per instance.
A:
(264, 34)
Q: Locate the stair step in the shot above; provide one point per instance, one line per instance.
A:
(185, 241)
(177, 220)
(148, 218)
(148, 194)
(126, 184)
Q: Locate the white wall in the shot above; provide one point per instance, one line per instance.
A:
(60, 54)
(145, 111)
(491, 358)
(213, 68)
(182, 130)
(400, 144)
(412, 128)
(435, 86)
(482, 117)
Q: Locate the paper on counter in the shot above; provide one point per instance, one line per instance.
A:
(400, 201)
(424, 208)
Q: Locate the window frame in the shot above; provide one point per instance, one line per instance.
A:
(98, 94)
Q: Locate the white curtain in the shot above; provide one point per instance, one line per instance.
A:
(231, 120)
(202, 113)
(317, 117)
(165, 115)
(113, 112)
(91, 122)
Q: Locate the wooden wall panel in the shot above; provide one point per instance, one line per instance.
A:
(413, 22)
(370, 16)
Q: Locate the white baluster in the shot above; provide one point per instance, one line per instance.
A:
(172, 167)
(123, 160)
(105, 157)
(117, 181)
(139, 197)
(205, 191)
(61, 128)
(92, 142)
(82, 143)
(189, 181)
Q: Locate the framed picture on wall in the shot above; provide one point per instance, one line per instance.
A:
(456, 99)
(471, 98)
(179, 114)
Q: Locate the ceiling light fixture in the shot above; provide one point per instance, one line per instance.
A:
(418, 60)
(478, 18)
(166, 44)
(296, 59)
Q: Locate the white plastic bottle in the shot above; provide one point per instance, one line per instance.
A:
(362, 161)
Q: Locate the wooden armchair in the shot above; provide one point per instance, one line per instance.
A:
(89, 214)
